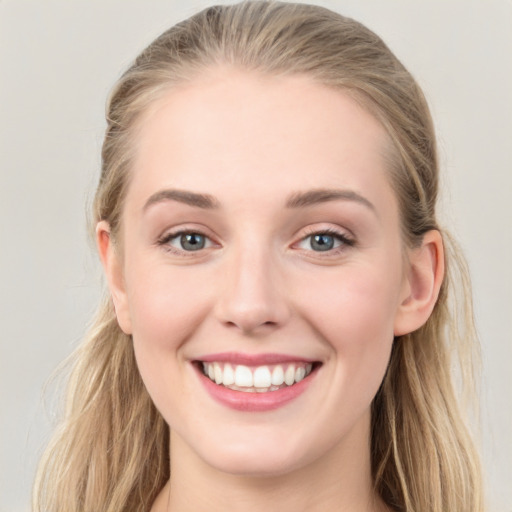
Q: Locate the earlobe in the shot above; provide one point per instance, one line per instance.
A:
(422, 284)
(112, 266)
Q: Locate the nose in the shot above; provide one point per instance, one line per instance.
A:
(252, 297)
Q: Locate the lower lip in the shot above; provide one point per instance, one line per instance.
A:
(254, 402)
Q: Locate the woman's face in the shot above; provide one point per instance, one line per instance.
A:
(261, 242)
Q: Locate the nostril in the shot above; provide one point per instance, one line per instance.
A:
(250, 321)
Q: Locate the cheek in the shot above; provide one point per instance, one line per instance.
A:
(354, 312)
(163, 306)
(354, 307)
(165, 313)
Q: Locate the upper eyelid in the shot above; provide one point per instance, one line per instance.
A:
(335, 231)
(174, 232)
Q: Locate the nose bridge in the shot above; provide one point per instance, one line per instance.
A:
(252, 295)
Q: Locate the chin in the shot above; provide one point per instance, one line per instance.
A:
(255, 466)
(245, 457)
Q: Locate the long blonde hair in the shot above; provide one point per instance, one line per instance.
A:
(110, 452)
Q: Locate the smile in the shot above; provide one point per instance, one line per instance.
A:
(259, 379)
(255, 383)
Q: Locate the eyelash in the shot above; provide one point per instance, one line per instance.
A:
(165, 240)
(344, 240)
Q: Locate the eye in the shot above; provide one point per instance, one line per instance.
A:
(187, 241)
(324, 241)
(191, 241)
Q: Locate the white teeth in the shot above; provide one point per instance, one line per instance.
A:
(260, 379)
(229, 375)
(289, 375)
(243, 377)
(217, 371)
(277, 375)
(300, 373)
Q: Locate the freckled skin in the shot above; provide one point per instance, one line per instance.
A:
(259, 285)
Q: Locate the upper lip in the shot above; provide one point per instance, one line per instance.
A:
(253, 359)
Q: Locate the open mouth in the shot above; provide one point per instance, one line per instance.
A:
(256, 379)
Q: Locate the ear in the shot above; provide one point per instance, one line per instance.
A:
(113, 269)
(421, 285)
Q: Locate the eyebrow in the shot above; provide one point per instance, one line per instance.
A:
(205, 201)
(324, 195)
(296, 200)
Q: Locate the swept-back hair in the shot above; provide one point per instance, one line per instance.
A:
(110, 452)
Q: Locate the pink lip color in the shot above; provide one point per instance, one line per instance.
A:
(253, 359)
(254, 402)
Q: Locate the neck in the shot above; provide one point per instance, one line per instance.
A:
(339, 480)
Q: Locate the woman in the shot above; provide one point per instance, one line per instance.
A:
(277, 333)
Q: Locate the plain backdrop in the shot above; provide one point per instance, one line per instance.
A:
(58, 60)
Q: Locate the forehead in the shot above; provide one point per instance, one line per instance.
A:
(233, 131)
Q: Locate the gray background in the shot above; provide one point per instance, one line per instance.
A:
(58, 60)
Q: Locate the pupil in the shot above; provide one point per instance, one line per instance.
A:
(322, 242)
(192, 241)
